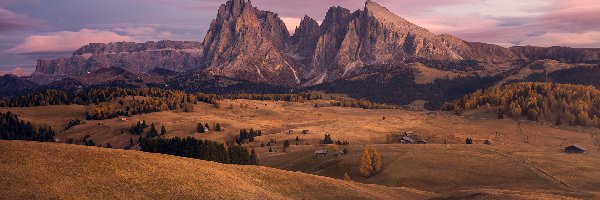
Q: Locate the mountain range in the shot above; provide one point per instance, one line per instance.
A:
(348, 52)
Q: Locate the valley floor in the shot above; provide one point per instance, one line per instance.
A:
(524, 157)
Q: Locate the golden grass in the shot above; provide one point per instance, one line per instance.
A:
(446, 168)
(31, 170)
(358, 126)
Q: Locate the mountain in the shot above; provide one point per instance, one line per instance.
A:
(247, 43)
(562, 54)
(11, 85)
(135, 57)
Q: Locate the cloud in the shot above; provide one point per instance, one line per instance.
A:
(65, 41)
(143, 33)
(12, 21)
(571, 23)
(587, 39)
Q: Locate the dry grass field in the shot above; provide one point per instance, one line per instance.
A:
(31, 170)
(525, 157)
(445, 168)
(357, 126)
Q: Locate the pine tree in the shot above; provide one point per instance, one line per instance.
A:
(253, 158)
(327, 139)
(286, 144)
(200, 128)
(152, 132)
(163, 130)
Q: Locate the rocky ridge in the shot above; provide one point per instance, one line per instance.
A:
(246, 43)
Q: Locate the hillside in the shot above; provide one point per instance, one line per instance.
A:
(31, 170)
(447, 168)
(561, 103)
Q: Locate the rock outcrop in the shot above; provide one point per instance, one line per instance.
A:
(135, 57)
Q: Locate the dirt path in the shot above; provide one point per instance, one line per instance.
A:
(537, 170)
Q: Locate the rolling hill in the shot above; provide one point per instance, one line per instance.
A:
(31, 170)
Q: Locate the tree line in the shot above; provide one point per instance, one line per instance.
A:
(12, 128)
(200, 149)
(561, 103)
(356, 103)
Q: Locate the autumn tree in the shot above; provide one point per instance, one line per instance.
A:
(370, 162)
(347, 177)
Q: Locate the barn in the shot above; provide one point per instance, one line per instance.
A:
(575, 149)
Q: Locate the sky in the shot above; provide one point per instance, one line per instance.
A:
(34, 29)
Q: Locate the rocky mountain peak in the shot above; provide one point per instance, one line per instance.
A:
(305, 37)
(247, 43)
(391, 20)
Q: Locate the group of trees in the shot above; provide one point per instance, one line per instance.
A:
(12, 128)
(276, 97)
(138, 129)
(205, 128)
(562, 103)
(112, 102)
(73, 122)
(370, 162)
(365, 104)
(199, 149)
(170, 100)
(247, 136)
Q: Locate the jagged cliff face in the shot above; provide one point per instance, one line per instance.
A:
(135, 57)
(304, 41)
(244, 42)
(375, 35)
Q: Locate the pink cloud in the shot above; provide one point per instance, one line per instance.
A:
(564, 23)
(12, 21)
(65, 41)
(583, 40)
